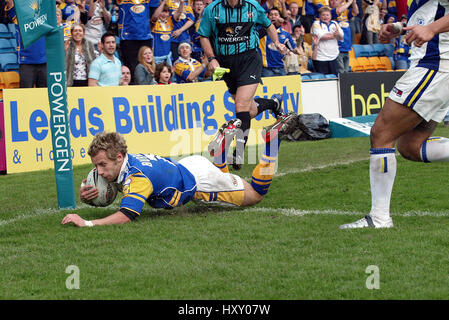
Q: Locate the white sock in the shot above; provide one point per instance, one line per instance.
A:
(382, 174)
(435, 149)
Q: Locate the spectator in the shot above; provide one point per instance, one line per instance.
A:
(106, 69)
(144, 73)
(188, 69)
(272, 59)
(32, 60)
(295, 18)
(308, 15)
(328, 33)
(134, 30)
(79, 56)
(163, 73)
(197, 50)
(342, 12)
(356, 23)
(391, 8)
(401, 55)
(286, 25)
(279, 4)
(305, 50)
(67, 28)
(183, 22)
(98, 17)
(371, 20)
(126, 76)
(73, 11)
(162, 23)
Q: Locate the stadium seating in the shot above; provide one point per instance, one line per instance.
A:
(388, 49)
(355, 66)
(386, 61)
(379, 49)
(5, 32)
(366, 64)
(9, 62)
(10, 79)
(6, 46)
(12, 29)
(377, 63)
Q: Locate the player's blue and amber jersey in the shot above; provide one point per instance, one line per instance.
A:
(161, 31)
(160, 182)
(271, 57)
(134, 20)
(35, 53)
(435, 53)
(233, 30)
(183, 68)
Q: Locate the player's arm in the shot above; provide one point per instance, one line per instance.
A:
(115, 218)
(272, 33)
(422, 34)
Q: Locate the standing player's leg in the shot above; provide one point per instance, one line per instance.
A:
(410, 121)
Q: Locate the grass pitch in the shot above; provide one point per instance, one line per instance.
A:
(287, 247)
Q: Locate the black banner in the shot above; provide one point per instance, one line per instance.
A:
(364, 93)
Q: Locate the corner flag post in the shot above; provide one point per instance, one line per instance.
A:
(37, 18)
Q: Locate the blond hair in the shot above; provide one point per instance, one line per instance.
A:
(110, 142)
(151, 67)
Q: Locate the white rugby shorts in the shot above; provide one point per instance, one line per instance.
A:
(425, 91)
(213, 185)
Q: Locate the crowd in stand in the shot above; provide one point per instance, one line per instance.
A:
(121, 42)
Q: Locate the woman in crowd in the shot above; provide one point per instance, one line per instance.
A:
(79, 55)
(144, 73)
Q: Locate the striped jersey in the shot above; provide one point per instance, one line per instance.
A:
(160, 182)
(184, 67)
(435, 53)
(233, 30)
(134, 20)
(161, 31)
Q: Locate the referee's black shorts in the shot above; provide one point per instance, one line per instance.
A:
(246, 68)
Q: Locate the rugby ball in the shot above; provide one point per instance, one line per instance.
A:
(107, 191)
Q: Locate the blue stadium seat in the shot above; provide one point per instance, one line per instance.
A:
(388, 49)
(316, 76)
(369, 51)
(9, 62)
(358, 48)
(330, 76)
(305, 76)
(13, 43)
(6, 46)
(12, 29)
(379, 48)
(4, 31)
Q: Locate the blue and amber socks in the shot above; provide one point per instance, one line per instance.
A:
(435, 149)
(382, 175)
(220, 161)
(264, 171)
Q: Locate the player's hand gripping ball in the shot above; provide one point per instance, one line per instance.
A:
(107, 191)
